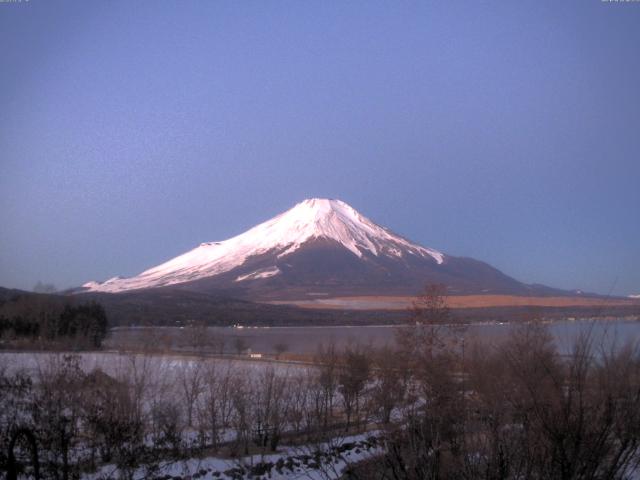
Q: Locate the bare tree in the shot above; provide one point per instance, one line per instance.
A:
(197, 336)
(354, 374)
(216, 406)
(57, 411)
(242, 421)
(16, 408)
(44, 287)
(270, 408)
(190, 376)
(327, 360)
(299, 393)
(166, 417)
(240, 345)
(389, 385)
(280, 348)
(432, 327)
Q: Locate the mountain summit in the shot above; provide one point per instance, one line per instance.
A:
(318, 247)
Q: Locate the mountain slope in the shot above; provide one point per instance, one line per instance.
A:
(319, 247)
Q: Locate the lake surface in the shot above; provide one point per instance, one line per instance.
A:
(306, 340)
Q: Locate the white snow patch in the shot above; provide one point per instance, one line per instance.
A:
(326, 470)
(264, 273)
(311, 219)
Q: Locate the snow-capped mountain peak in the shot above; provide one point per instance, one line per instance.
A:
(315, 218)
(336, 220)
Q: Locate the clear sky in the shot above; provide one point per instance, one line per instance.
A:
(131, 131)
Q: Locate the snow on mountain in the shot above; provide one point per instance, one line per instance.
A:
(284, 234)
(634, 296)
(263, 273)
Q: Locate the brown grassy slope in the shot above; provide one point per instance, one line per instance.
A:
(461, 301)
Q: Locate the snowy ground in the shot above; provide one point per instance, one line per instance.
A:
(315, 462)
(114, 363)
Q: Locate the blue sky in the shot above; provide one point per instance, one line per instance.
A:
(131, 131)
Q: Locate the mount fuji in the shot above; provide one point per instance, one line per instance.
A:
(320, 247)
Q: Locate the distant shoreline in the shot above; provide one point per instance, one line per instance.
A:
(402, 302)
(629, 318)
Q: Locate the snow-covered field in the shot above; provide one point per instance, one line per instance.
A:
(159, 380)
(114, 363)
(322, 461)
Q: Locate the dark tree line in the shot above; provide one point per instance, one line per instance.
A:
(85, 323)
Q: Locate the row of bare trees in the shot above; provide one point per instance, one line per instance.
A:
(517, 409)
(138, 411)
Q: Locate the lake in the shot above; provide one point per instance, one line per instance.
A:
(306, 340)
